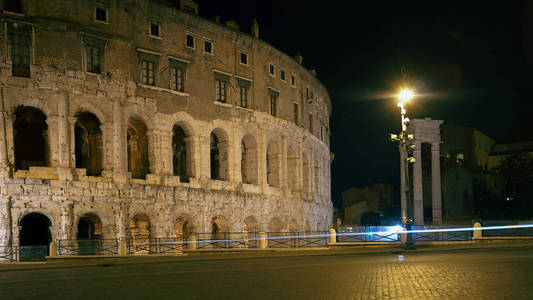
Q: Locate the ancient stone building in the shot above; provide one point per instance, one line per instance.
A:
(139, 119)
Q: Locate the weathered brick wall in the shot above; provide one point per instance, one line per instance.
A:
(60, 88)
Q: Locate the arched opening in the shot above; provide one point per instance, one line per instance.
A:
(138, 163)
(30, 133)
(275, 225)
(179, 154)
(183, 229)
(219, 231)
(35, 237)
(292, 169)
(249, 160)
(89, 234)
(273, 167)
(307, 226)
(250, 230)
(219, 155)
(306, 172)
(140, 234)
(293, 226)
(88, 143)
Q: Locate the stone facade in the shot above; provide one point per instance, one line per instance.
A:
(146, 127)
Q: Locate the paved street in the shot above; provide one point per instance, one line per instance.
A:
(493, 273)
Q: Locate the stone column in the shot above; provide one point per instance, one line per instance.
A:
(299, 166)
(154, 153)
(63, 133)
(193, 156)
(403, 196)
(5, 222)
(167, 167)
(72, 133)
(435, 184)
(107, 140)
(119, 141)
(123, 221)
(283, 157)
(52, 152)
(205, 156)
(418, 198)
(261, 156)
(66, 220)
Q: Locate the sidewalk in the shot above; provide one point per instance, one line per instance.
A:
(224, 254)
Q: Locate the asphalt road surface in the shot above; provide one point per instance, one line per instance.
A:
(493, 273)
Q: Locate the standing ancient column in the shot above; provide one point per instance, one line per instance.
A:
(418, 196)
(435, 184)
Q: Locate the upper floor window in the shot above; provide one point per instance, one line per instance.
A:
(155, 29)
(244, 58)
(100, 14)
(189, 40)
(282, 75)
(272, 70)
(13, 6)
(244, 89)
(221, 87)
(20, 37)
(293, 80)
(273, 103)
(94, 54)
(208, 47)
(148, 76)
(178, 71)
(310, 122)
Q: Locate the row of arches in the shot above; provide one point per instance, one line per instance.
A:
(32, 149)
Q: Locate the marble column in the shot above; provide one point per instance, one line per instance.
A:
(418, 196)
(435, 184)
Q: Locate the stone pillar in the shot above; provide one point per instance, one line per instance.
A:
(193, 155)
(299, 166)
(261, 157)
(418, 198)
(119, 142)
(167, 167)
(204, 148)
(63, 132)
(72, 133)
(66, 220)
(107, 140)
(5, 222)
(403, 196)
(435, 184)
(3, 146)
(283, 163)
(154, 152)
(52, 152)
(123, 220)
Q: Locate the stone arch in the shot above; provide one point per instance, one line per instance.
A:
(273, 164)
(89, 234)
(140, 233)
(219, 154)
(87, 107)
(293, 226)
(35, 236)
(250, 224)
(137, 142)
(183, 120)
(88, 143)
(292, 169)
(31, 102)
(249, 161)
(275, 225)
(306, 173)
(183, 227)
(307, 227)
(31, 141)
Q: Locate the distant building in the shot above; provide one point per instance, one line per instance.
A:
(375, 198)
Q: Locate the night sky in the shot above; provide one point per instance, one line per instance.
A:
(470, 63)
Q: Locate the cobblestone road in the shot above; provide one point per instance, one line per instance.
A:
(472, 274)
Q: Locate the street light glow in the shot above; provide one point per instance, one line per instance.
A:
(405, 95)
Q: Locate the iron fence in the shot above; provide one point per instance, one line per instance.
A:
(87, 247)
(9, 253)
(33, 253)
(509, 232)
(156, 246)
(368, 234)
(464, 235)
(226, 240)
(297, 239)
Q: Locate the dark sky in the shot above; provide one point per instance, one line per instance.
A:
(467, 61)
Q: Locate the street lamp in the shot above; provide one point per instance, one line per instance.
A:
(404, 139)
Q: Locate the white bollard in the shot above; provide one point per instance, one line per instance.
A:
(332, 236)
(53, 249)
(477, 232)
(262, 240)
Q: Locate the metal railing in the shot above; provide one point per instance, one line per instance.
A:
(355, 234)
(511, 232)
(9, 253)
(227, 240)
(156, 246)
(87, 247)
(32, 253)
(465, 235)
(297, 239)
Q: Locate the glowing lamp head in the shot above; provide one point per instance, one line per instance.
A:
(405, 95)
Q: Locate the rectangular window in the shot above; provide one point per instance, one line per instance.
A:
(293, 80)
(154, 29)
(190, 41)
(177, 79)
(311, 123)
(208, 47)
(243, 96)
(282, 75)
(296, 112)
(100, 14)
(148, 76)
(273, 104)
(20, 53)
(272, 70)
(13, 6)
(93, 59)
(307, 95)
(244, 58)
(221, 90)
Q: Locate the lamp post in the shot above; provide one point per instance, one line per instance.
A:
(404, 139)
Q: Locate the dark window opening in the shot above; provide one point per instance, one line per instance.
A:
(93, 59)
(293, 80)
(31, 138)
(35, 237)
(177, 79)
(243, 96)
(148, 74)
(88, 144)
(221, 90)
(273, 104)
(154, 29)
(20, 54)
(13, 6)
(179, 150)
(101, 14)
(190, 41)
(272, 70)
(282, 75)
(244, 58)
(208, 47)
(296, 112)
